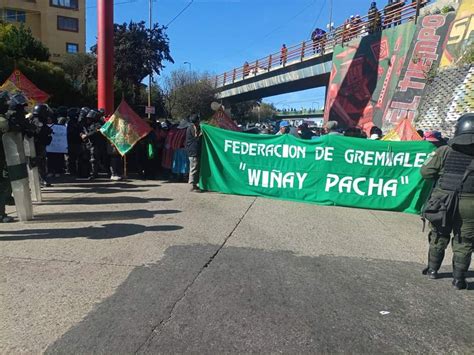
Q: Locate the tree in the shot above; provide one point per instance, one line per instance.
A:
(18, 43)
(188, 92)
(138, 52)
(264, 111)
(243, 110)
(80, 70)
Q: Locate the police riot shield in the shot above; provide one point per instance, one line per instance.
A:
(18, 174)
(33, 173)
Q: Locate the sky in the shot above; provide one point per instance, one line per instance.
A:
(217, 35)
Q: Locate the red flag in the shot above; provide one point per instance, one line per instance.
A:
(222, 120)
(403, 131)
(30, 90)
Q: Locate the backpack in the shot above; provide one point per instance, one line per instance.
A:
(442, 207)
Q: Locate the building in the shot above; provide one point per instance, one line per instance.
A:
(59, 24)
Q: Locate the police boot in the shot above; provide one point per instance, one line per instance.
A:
(459, 280)
(434, 263)
(432, 274)
(460, 267)
(6, 219)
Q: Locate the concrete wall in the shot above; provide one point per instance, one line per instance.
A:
(447, 97)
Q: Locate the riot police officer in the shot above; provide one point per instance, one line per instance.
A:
(74, 140)
(452, 168)
(43, 138)
(5, 186)
(91, 137)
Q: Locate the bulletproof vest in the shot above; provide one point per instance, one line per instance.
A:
(454, 168)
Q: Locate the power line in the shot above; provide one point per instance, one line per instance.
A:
(317, 18)
(274, 30)
(179, 14)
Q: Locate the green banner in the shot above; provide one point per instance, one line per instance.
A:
(334, 170)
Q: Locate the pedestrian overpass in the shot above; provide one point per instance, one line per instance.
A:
(263, 81)
(306, 65)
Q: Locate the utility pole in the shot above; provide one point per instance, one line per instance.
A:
(330, 15)
(151, 70)
(417, 11)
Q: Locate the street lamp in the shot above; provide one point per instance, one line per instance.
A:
(188, 63)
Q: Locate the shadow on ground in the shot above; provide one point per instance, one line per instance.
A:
(106, 231)
(113, 200)
(249, 300)
(97, 190)
(76, 216)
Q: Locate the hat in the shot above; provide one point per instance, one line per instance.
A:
(331, 125)
(284, 124)
(430, 136)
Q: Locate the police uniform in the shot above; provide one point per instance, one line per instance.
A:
(5, 186)
(447, 167)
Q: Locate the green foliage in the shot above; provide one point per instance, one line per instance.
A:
(242, 110)
(18, 42)
(468, 55)
(80, 70)
(253, 111)
(138, 52)
(446, 9)
(186, 93)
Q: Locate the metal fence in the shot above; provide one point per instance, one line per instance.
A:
(354, 28)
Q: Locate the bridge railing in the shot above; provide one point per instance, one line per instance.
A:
(357, 27)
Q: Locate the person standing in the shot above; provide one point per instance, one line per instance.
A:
(91, 137)
(452, 169)
(43, 137)
(193, 147)
(5, 186)
(374, 18)
(283, 54)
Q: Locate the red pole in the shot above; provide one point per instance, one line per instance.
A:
(105, 55)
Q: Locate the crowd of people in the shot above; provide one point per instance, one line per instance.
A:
(169, 151)
(312, 132)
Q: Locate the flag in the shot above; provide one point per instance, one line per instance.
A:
(222, 120)
(125, 128)
(29, 89)
(403, 131)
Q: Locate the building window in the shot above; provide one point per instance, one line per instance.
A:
(68, 4)
(72, 47)
(14, 16)
(68, 24)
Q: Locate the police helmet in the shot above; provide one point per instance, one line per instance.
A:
(73, 113)
(17, 101)
(464, 133)
(42, 111)
(93, 115)
(84, 111)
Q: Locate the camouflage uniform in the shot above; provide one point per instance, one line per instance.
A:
(447, 166)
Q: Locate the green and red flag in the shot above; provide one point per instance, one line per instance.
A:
(125, 128)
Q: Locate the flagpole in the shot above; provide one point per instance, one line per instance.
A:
(125, 166)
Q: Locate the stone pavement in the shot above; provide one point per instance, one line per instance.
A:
(146, 267)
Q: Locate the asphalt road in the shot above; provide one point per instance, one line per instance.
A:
(147, 267)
